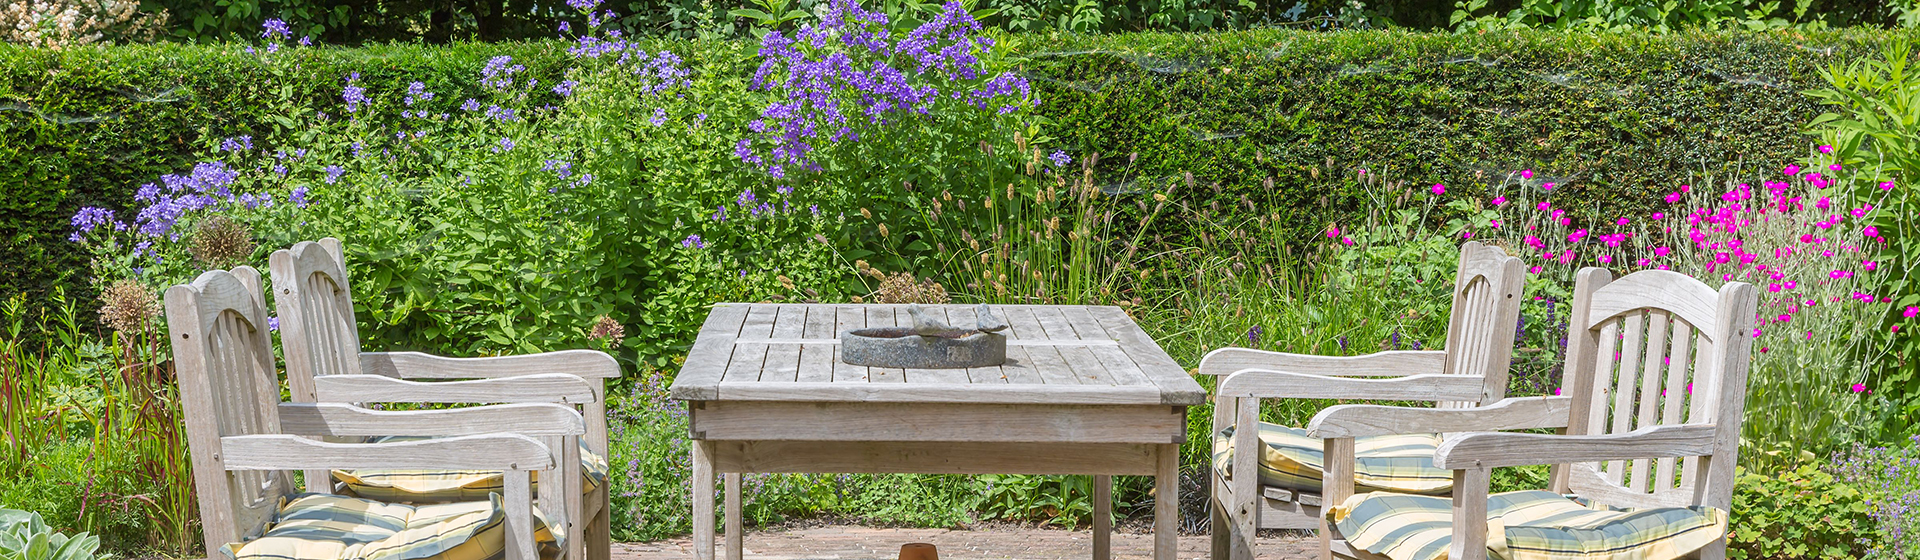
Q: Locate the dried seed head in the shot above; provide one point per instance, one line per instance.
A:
(902, 287)
(605, 328)
(220, 242)
(128, 306)
(883, 230)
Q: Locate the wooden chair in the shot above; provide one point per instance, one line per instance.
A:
(1472, 370)
(1655, 385)
(245, 442)
(325, 364)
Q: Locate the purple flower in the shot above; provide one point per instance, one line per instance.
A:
(498, 74)
(584, 5)
(1253, 335)
(693, 242)
(502, 114)
(566, 27)
(273, 324)
(275, 29)
(89, 218)
(659, 117)
(298, 197)
(565, 88)
(236, 144)
(306, 41)
(334, 172)
(471, 105)
(1059, 158)
(418, 92)
(506, 144)
(354, 95)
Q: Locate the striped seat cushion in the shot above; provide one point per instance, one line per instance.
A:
(330, 527)
(416, 486)
(1292, 460)
(1527, 525)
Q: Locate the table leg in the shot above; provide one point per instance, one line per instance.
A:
(702, 500)
(1102, 517)
(736, 530)
(1166, 504)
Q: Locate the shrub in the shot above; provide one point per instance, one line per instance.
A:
(25, 536)
(1803, 512)
(1890, 477)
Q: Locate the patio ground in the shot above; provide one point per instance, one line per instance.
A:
(853, 542)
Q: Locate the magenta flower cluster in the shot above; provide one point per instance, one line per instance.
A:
(849, 73)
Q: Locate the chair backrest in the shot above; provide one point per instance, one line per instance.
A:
(1486, 311)
(1657, 348)
(317, 329)
(229, 387)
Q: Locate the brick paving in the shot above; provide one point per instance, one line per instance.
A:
(853, 542)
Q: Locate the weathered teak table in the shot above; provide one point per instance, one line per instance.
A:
(1084, 391)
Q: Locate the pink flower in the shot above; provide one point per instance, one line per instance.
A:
(1834, 167)
(1859, 388)
(1332, 232)
(1773, 288)
(1870, 231)
(1346, 240)
(1605, 259)
(1546, 186)
(1466, 234)
(1886, 186)
(1534, 270)
(1439, 188)
(1659, 216)
(1499, 201)
(1785, 318)
(1791, 170)
(1673, 198)
(1526, 174)
(1543, 206)
(1792, 284)
(1622, 222)
(1826, 149)
(1911, 312)
(1661, 251)
(1869, 265)
(1823, 203)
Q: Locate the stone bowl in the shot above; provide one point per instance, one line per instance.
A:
(899, 347)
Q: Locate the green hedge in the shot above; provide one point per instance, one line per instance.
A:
(1618, 117)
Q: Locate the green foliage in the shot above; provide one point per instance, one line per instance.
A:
(26, 536)
(1800, 513)
(1652, 15)
(1873, 123)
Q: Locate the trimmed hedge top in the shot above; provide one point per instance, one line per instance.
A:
(1617, 118)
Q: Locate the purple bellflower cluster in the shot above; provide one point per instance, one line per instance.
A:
(850, 65)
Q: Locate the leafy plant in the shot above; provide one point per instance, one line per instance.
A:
(25, 536)
(1889, 475)
(1802, 512)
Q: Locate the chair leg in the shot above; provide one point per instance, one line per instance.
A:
(1166, 504)
(1222, 531)
(600, 532)
(517, 498)
(1102, 517)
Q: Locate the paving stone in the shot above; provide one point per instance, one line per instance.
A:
(868, 543)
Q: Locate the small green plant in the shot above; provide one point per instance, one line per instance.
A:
(25, 536)
(1800, 513)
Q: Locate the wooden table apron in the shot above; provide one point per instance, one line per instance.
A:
(1084, 391)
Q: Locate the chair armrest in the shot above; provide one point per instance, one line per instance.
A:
(1362, 420)
(534, 388)
(289, 452)
(1488, 450)
(590, 364)
(334, 419)
(1419, 387)
(1226, 361)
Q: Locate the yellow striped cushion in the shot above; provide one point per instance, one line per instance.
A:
(330, 527)
(1291, 459)
(417, 486)
(1527, 525)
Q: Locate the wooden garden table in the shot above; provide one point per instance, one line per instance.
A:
(1083, 391)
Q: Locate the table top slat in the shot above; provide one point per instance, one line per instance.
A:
(1056, 354)
(712, 351)
(783, 360)
(1175, 385)
(885, 316)
(816, 360)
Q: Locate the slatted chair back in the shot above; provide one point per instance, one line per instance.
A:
(317, 329)
(1486, 312)
(1657, 348)
(229, 387)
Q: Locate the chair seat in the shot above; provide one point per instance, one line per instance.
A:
(1527, 525)
(1292, 460)
(331, 527)
(432, 486)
